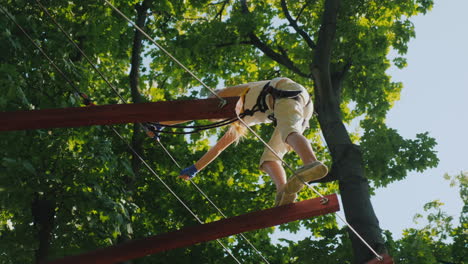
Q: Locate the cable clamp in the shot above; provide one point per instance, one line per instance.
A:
(324, 200)
(222, 103)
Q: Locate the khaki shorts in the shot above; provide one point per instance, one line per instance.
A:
(292, 116)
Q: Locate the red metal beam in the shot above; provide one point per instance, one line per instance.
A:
(206, 232)
(118, 114)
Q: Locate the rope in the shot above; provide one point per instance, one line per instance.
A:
(379, 257)
(223, 101)
(80, 50)
(276, 154)
(211, 202)
(324, 200)
(118, 134)
(169, 188)
(203, 127)
(196, 129)
(238, 117)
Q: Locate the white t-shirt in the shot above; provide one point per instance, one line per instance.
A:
(250, 99)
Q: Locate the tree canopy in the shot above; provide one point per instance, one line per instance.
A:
(66, 191)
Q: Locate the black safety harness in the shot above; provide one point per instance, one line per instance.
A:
(261, 104)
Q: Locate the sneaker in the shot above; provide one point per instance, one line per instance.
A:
(283, 198)
(311, 172)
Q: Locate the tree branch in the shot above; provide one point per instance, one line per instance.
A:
(227, 44)
(322, 57)
(293, 23)
(220, 13)
(345, 70)
(137, 140)
(136, 51)
(338, 77)
(244, 7)
(302, 10)
(217, 3)
(282, 59)
(327, 33)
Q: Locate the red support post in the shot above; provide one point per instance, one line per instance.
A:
(119, 114)
(206, 232)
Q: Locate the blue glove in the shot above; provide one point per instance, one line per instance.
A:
(190, 171)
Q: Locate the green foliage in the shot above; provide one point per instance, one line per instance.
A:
(439, 241)
(389, 156)
(85, 172)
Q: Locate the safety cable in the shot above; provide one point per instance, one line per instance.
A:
(223, 101)
(196, 128)
(210, 201)
(42, 51)
(276, 154)
(80, 50)
(170, 190)
(324, 200)
(239, 118)
(117, 133)
(217, 124)
(207, 126)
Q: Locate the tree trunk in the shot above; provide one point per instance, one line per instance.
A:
(43, 212)
(346, 157)
(137, 138)
(134, 76)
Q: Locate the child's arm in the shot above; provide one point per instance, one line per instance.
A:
(209, 156)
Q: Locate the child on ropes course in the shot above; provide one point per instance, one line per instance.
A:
(287, 104)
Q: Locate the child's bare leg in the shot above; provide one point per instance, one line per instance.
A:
(276, 173)
(312, 170)
(302, 147)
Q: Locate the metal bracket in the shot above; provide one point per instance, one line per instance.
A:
(222, 103)
(324, 200)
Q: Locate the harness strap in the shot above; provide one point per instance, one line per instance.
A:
(276, 93)
(261, 99)
(261, 104)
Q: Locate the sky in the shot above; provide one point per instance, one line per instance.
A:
(434, 99)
